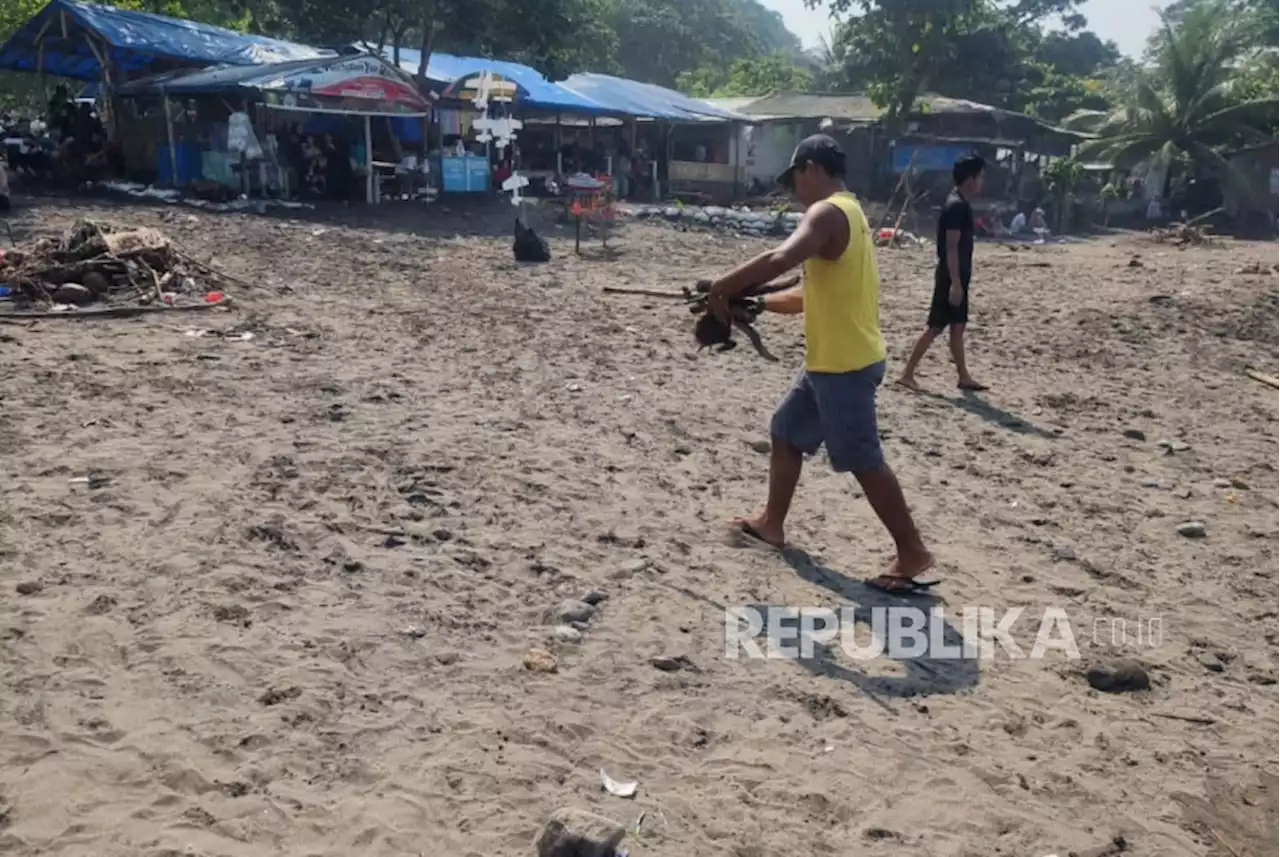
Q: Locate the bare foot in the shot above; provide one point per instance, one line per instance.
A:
(762, 530)
(909, 382)
(970, 385)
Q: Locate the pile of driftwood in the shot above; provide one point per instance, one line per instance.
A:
(1187, 232)
(98, 268)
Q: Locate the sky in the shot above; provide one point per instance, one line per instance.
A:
(1125, 22)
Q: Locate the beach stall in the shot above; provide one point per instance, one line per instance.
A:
(304, 113)
(466, 161)
(527, 96)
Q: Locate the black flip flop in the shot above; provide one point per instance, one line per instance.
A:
(901, 585)
(754, 538)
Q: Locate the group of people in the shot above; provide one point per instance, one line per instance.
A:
(322, 163)
(832, 402)
(69, 145)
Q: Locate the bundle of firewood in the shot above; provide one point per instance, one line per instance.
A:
(96, 263)
(1181, 233)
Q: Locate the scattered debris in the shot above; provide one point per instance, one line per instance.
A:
(566, 634)
(1186, 718)
(110, 268)
(1269, 380)
(577, 833)
(540, 661)
(1192, 530)
(573, 611)
(1135, 434)
(1186, 232)
(742, 220)
(1211, 662)
(1122, 676)
(618, 788)
(674, 664)
(275, 696)
(1239, 816)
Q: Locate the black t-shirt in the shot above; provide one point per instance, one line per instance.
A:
(958, 216)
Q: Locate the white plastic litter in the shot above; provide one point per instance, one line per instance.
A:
(617, 788)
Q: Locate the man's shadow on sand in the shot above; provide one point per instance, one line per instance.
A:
(926, 674)
(980, 407)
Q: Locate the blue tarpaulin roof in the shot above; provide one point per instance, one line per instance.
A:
(591, 94)
(134, 42)
(647, 99)
(535, 90)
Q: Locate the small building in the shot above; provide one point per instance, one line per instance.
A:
(930, 140)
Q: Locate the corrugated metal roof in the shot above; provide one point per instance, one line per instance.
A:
(804, 105)
(853, 107)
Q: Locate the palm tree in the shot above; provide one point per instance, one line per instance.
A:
(1186, 101)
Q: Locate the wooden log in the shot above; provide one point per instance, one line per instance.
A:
(108, 312)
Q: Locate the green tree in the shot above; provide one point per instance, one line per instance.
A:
(1187, 103)
(659, 39)
(756, 76)
(770, 30)
(983, 50)
(1078, 54)
(15, 13)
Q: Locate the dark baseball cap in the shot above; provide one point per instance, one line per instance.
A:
(818, 149)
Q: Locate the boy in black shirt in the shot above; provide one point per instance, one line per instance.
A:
(950, 305)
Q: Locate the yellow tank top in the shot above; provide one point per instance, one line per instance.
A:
(842, 300)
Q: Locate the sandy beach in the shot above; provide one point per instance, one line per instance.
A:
(275, 595)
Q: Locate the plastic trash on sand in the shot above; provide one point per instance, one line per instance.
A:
(618, 788)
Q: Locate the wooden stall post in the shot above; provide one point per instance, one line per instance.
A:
(168, 126)
(736, 130)
(369, 181)
(559, 148)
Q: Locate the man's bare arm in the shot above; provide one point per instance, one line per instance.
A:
(812, 236)
(788, 302)
(953, 257)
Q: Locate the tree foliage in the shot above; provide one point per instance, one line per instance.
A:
(987, 51)
(1188, 102)
(755, 76)
(659, 39)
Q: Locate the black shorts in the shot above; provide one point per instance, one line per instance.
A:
(941, 312)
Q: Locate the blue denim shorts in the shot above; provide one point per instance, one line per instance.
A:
(838, 410)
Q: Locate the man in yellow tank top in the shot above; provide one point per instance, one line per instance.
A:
(833, 401)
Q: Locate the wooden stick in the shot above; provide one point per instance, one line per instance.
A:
(648, 293)
(212, 270)
(154, 279)
(1186, 718)
(1223, 842)
(1269, 380)
(109, 312)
